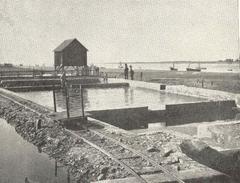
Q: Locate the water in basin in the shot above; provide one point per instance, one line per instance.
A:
(97, 99)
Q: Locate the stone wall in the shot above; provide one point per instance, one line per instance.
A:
(126, 118)
(177, 114)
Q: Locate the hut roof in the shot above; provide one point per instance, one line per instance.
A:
(65, 44)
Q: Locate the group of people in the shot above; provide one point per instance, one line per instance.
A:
(126, 70)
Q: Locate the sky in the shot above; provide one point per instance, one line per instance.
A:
(119, 30)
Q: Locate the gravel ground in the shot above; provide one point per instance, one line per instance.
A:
(163, 147)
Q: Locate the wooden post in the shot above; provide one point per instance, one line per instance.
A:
(77, 71)
(202, 83)
(82, 104)
(55, 168)
(54, 99)
(68, 176)
(67, 100)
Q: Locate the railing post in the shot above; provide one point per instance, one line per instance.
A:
(82, 102)
(67, 100)
(54, 99)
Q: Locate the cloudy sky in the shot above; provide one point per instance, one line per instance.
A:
(119, 30)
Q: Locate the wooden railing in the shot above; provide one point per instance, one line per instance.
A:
(42, 72)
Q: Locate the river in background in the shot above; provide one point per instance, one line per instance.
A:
(20, 159)
(206, 67)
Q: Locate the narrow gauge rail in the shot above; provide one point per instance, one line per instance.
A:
(128, 168)
(153, 162)
(101, 137)
(120, 152)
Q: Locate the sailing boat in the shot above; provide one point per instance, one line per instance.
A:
(197, 69)
(173, 68)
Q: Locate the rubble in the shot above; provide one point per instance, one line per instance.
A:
(161, 146)
(167, 153)
(152, 149)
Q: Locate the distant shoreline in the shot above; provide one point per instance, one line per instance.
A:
(175, 62)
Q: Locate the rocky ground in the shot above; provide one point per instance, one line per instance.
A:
(162, 146)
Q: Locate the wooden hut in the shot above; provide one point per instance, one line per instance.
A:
(70, 53)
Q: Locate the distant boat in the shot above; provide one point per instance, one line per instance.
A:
(197, 69)
(173, 68)
(194, 69)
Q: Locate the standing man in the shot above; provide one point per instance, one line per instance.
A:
(131, 72)
(126, 71)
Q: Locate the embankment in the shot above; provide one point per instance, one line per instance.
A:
(85, 163)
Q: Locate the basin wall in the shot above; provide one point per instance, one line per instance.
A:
(126, 118)
(199, 112)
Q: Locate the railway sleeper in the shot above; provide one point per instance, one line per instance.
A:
(148, 170)
(129, 157)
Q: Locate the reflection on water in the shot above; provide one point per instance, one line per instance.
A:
(108, 98)
(20, 159)
(131, 96)
(126, 95)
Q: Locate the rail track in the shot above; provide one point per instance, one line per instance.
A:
(132, 160)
